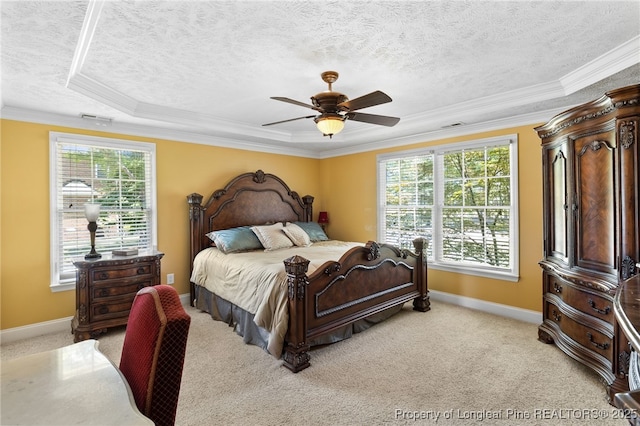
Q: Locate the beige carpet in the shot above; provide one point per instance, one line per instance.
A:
(459, 365)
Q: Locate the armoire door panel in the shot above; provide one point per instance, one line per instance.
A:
(557, 231)
(627, 130)
(594, 205)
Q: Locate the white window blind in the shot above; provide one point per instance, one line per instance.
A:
(117, 175)
(408, 200)
(461, 197)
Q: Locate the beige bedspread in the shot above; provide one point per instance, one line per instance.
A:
(257, 282)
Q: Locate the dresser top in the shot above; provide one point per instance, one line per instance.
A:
(108, 258)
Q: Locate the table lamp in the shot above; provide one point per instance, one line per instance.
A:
(91, 212)
(323, 219)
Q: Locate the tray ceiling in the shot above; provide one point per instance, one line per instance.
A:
(203, 71)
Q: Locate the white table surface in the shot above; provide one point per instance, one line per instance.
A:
(73, 385)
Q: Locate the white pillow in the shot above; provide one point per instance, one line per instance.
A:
(272, 237)
(297, 235)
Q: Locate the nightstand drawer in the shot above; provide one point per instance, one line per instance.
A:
(105, 311)
(107, 291)
(120, 273)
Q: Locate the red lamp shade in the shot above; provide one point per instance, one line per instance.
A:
(323, 217)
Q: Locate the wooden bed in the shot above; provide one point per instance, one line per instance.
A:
(365, 281)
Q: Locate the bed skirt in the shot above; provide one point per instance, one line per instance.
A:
(243, 324)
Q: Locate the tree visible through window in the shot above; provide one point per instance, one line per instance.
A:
(461, 198)
(476, 206)
(117, 175)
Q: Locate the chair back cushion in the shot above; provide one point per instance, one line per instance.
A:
(153, 351)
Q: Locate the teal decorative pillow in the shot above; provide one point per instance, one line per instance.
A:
(235, 239)
(314, 230)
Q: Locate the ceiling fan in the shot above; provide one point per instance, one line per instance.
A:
(335, 108)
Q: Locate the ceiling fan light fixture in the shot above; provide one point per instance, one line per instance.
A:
(335, 108)
(330, 124)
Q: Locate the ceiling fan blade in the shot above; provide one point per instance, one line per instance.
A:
(373, 98)
(291, 101)
(291, 119)
(382, 120)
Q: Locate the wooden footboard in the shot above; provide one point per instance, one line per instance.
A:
(366, 280)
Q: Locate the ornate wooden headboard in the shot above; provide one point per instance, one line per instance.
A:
(248, 199)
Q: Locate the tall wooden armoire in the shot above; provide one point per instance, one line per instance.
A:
(591, 164)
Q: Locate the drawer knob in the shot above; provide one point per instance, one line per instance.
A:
(103, 309)
(140, 271)
(103, 275)
(604, 311)
(556, 315)
(602, 346)
(557, 287)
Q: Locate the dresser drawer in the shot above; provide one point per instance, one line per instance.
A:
(114, 309)
(120, 273)
(101, 291)
(595, 337)
(584, 300)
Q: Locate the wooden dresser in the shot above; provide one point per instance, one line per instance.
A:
(590, 160)
(105, 289)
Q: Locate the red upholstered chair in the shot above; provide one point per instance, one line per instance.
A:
(153, 351)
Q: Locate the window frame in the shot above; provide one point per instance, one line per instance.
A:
(435, 260)
(58, 283)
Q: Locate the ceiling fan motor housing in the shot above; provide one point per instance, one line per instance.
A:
(328, 101)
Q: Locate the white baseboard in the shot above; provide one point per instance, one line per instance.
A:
(520, 314)
(34, 330)
(54, 326)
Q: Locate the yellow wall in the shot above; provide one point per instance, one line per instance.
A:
(182, 168)
(344, 186)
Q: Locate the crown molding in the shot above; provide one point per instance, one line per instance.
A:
(19, 114)
(91, 18)
(616, 60)
(492, 103)
(504, 123)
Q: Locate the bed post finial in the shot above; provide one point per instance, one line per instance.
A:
(196, 226)
(195, 201)
(258, 176)
(421, 303)
(308, 208)
(296, 351)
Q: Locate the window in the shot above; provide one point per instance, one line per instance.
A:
(118, 175)
(461, 197)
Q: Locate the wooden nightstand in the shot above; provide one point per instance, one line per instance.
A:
(105, 289)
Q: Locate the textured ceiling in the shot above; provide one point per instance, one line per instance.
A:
(203, 71)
